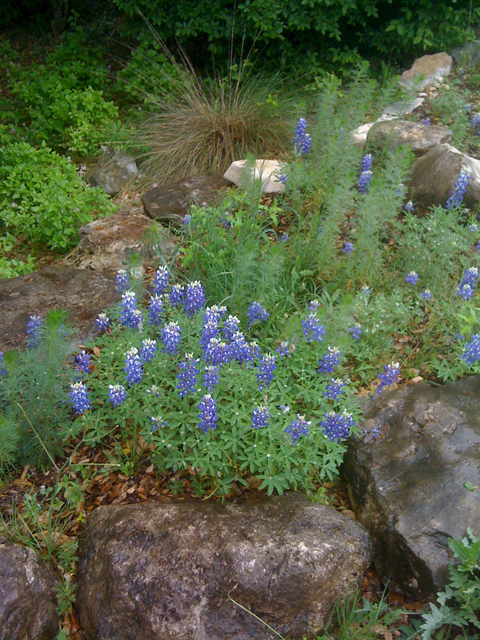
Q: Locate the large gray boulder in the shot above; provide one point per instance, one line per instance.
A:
(171, 202)
(171, 571)
(83, 294)
(409, 475)
(112, 172)
(107, 243)
(433, 176)
(420, 137)
(27, 598)
(427, 71)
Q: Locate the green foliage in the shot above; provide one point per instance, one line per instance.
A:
(33, 398)
(42, 197)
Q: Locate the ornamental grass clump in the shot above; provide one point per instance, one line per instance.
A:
(200, 393)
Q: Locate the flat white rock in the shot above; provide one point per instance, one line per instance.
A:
(266, 171)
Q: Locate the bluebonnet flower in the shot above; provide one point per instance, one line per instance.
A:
(409, 208)
(365, 290)
(266, 367)
(312, 329)
(158, 423)
(34, 331)
(186, 220)
(155, 391)
(475, 122)
(468, 283)
(465, 291)
(284, 408)
(177, 294)
(171, 334)
(210, 330)
(336, 426)
(133, 366)
(83, 362)
(313, 306)
(160, 281)
(473, 228)
(348, 247)
(356, 331)
(211, 377)
(302, 142)
(155, 310)
(459, 189)
(391, 375)
(283, 349)
(116, 394)
(239, 348)
(122, 280)
(426, 121)
(366, 163)
(298, 428)
(208, 413)
(3, 371)
(194, 298)
(330, 360)
(254, 352)
(472, 350)
(230, 328)
(148, 350)
(260, 417)
(334, 389)
(283, 178)
(284, 237)
(102, 321)
(226, 224)
(79, 397)
(426, 295)
(411, 277)
(255, 313)
(217, 352)
(130, 316)
(187, 378)
(214, 313)
(363, 184)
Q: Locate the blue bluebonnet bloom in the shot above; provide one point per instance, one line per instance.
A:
(133, 366)
(148, 350)
(186, 220)
(284, 408)
(283, 349)
(337, 426)
(284, 237)
(79, 397)
(155, 390)
(171, 337)
(302, 142)
(211, 377)
(356, 331)
(255, 313)
(102, 322)
(298, 428)
(187, 378)
(122, 280)
(130, 316)
(473, 228)
(214, 313)
(194, 298)
(426, 121)
(283, 178)
(475, 122)
(365, 290)
(348, 247)
(210, 330)
(155, 310)
(459, 189)
(34, 331)
(391, 375)
(239, 347)
(116, 394)
(230, 327)
(364, 181)
(334, 389)
(266, 367)
(160, 281)
(217, 352)
(330, 360)
(312, 329)
(411, 277)
(177, 295)
(158, 422)
(254, 352)
(409, 208)
(226, 224)
(3, 371)
(472, 350)
(468, 283)
(83, 362)
(260, 417)
(208, 413)
(465, 291)
(313, 306)
(426, 295)
(366, 163)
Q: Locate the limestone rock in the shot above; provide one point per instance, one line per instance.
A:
(420, 137)
(407, 476)
(84, 294)
(161, 571)
(266, 171)
(27, 597)
(433, 176)
(112, 171)
(427, 71)
(171, 202)
(359, 135)
(105, 244)
(403, 107)
(468, 56)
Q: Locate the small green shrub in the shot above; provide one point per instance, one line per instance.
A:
(42, 197)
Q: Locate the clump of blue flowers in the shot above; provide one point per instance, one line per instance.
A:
(366, 175)
(471, 352)
(256, 313)
(302, 141)
(34, 331)
(390, 376)
(459, 189)
(79, 397)
(468, 283)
